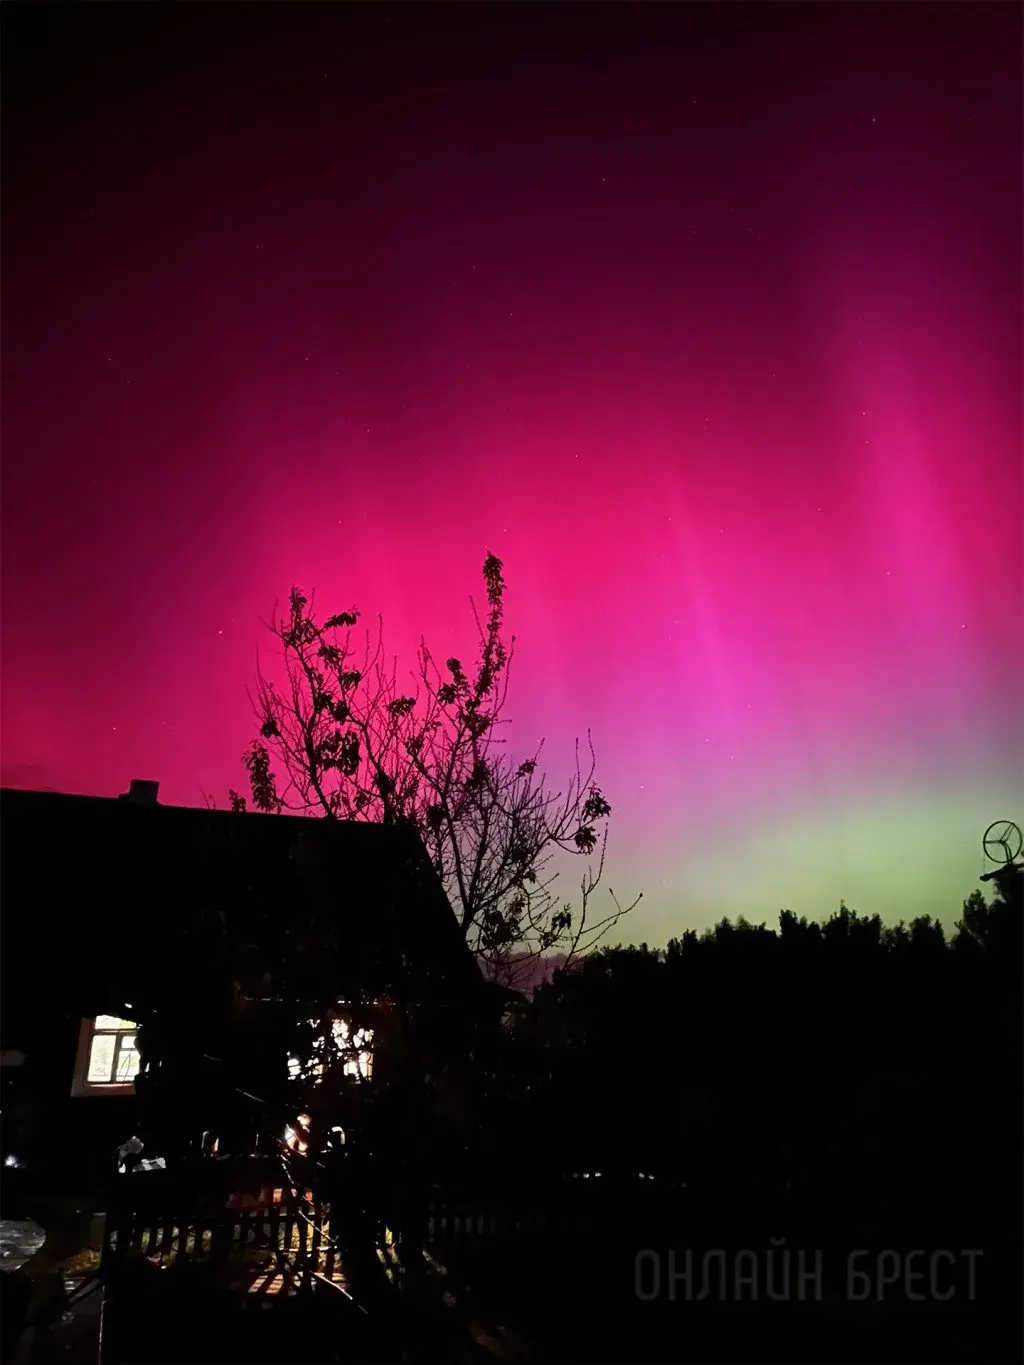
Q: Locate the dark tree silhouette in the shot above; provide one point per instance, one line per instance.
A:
(344, 737)
(845, 1066)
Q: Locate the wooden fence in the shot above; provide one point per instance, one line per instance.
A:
(209, 1216)
(574, 1208)
(255, 1242)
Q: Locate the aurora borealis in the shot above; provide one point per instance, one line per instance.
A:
(706, 319)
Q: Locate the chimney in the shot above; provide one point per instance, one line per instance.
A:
(142, 793)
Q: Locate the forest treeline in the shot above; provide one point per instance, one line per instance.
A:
(843, 1072)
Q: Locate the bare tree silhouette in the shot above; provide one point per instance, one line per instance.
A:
(352, 743)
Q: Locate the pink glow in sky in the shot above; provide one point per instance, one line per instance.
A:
(706, 320)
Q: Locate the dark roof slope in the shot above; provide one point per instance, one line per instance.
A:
(94, 888)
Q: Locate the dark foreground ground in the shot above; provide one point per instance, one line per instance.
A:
(589, 1312)
(537, 1311)
(575, 1296)
(589, 1298)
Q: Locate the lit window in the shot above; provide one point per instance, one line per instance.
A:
(359, 1058)
(356, 1052)
(108, 1058)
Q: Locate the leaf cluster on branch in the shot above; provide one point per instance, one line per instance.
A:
(344, 736)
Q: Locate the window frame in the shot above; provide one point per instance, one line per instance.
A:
(81, 1086)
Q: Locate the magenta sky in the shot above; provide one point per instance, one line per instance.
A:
(706, 320)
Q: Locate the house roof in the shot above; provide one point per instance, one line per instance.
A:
(97, 892)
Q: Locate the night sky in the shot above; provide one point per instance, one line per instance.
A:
(707, 320)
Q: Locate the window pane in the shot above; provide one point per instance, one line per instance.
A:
(127, 1064)
(101, 1058)
(108, 1021)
